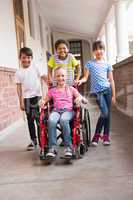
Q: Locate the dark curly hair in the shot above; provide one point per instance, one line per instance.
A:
(61, 41)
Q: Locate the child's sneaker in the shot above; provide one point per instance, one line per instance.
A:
(106, 140)
(68, 152)
(95, 140)
(30, 147)
(51, 153)
(35, 141)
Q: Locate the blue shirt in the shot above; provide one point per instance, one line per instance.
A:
(98, 75)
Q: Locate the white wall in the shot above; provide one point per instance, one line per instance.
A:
(34, 43)
(8, 47)
(129, 20)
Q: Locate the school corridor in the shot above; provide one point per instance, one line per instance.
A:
(104, 173)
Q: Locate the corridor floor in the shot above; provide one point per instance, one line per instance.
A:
(105, 173)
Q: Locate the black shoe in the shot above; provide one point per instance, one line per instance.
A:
(30, 147)
(35, 142)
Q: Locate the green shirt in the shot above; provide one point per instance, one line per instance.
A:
(69, 64)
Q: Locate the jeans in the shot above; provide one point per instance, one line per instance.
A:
(64, 118)
(103, 100)
(32, 113)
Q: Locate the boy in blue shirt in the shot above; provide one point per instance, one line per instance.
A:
(103, 88)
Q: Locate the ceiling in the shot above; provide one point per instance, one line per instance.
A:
(78, 16)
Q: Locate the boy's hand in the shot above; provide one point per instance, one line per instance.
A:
(43, 103)
(50, 82)
(45, 78)
(22, 107)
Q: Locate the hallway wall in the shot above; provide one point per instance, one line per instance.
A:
(9, 105)
(123, 76)
(9, 108)
(35, 41)
(8, 48)
(9, 111)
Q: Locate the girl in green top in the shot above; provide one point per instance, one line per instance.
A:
(66, 60)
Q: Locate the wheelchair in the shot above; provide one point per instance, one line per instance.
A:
(80, 131)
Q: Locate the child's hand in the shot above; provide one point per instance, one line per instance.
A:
(45, 78)
(84, 100)
(79, 82)
(22, 107)
(78, 100)
(113, 100)
(43, 103)
(75, 83)
(50, 82)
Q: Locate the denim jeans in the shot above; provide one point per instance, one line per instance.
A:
(64, 118)
(103, 100)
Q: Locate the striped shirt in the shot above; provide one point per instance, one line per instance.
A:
(69, 64)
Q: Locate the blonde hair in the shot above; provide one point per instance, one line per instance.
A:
(57, 69)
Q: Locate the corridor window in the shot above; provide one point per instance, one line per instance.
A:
(76, 50)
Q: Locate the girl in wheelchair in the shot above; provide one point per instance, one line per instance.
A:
(62, 96)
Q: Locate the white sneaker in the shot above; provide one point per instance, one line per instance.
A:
(106, 143)
(94, 144)
(95, 140)
(51, 153)
(30, 147)
(106, 140)
(68, 152)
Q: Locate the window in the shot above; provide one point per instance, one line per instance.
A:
(41, 31)
(76, 50)
(30, 16)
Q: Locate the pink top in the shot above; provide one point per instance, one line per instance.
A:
(63, 98)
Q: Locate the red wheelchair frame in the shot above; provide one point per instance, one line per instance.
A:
(81, 131)
(81, 134)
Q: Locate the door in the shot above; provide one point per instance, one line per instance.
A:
(19, 22)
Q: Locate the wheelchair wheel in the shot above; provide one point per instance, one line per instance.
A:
(85, 128)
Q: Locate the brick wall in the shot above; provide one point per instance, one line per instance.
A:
(123, 76)
(9, 107)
